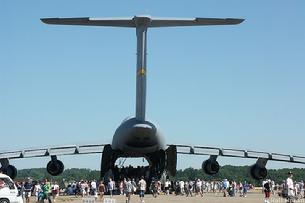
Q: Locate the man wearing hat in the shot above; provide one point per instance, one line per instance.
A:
(290, 187)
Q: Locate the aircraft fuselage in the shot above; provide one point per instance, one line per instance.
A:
(137, 138)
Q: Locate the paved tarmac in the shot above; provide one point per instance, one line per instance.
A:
(254, 197)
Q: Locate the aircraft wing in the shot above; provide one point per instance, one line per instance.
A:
(238, 153)
(53, 151)
(181, 149)
(210, 166)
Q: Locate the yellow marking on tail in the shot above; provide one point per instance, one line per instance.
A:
(142, 72)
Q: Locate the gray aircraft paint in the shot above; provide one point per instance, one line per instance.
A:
(138, 136)
(141, 30)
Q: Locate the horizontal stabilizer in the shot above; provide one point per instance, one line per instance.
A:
(142, 20)
(115, 22)
(194, 22)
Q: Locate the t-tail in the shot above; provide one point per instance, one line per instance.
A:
(142, 23)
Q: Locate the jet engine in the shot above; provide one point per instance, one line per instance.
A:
(258, 172)
(55, 167)
(210, 166)
(10, 170)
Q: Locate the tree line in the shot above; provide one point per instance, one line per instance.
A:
(240, 174)
(237, 173)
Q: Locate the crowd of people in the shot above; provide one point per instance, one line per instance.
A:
(49, 191)
(288, 189)
(43, 190)
(199, 187)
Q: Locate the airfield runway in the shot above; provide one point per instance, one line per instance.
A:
(255, 197)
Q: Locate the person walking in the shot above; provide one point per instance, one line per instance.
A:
(48, 190)
(199, 187)
(225, 186)
(101, 189)
(267, 190)
(27, 189)
(45, 192)
(55, 191)
(93, 187)
(128, 189)
(290, 187)
(111, 185)
(167, 186)
(142, 186)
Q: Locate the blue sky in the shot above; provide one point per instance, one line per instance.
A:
(228, 86)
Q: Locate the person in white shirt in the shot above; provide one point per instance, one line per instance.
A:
(83, 186)
(111, 186)
(55, 191)
(166, 186)
(296, 188)
(290, 187)
(199, 187)
(37, 189)
(93, 188)
(142, 186)
(181, 185)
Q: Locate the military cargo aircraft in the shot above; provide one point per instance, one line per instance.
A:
(137, 136)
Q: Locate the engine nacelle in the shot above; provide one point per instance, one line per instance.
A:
(10, 170)
(55, 167)
(258, 172)
(210, 167)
